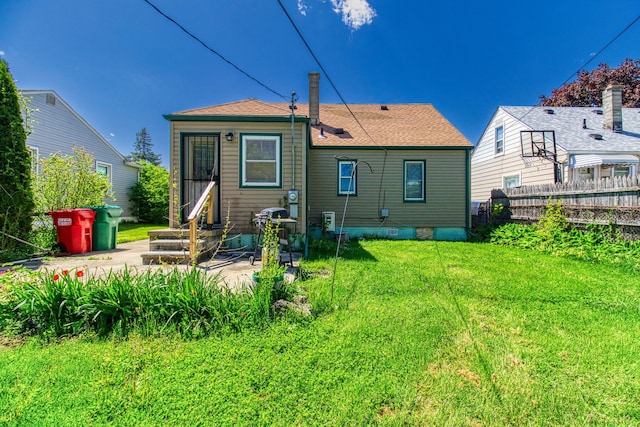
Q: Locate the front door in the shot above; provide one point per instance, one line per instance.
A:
(200, 165)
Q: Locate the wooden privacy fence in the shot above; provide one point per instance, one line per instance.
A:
(605, 201)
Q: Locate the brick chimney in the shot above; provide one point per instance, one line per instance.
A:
(314, 98)
(612, 105)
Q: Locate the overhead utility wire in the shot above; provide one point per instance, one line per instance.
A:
(593, 57)
(384, 163)
(210, 49)
(295, 27)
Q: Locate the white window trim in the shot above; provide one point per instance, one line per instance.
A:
(423, 165)
(495, 140)
(509, 175)
(109, 169)
(278, 161)
(354, 173)
(34, 152)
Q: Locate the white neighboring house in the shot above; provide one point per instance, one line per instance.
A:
(57, 128)
(591, 143)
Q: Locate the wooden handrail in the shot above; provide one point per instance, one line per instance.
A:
(206, 199)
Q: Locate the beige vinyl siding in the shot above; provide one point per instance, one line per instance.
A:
(488, 169)
(243, 203)
(445, 192)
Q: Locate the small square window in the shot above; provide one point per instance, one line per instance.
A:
(103, 169)
(260, 164)
(511, 181)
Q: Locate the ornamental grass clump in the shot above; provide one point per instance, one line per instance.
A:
(188, 303)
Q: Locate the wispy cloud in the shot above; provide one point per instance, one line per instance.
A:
(302, 8)
(1, 52)
(355, 13)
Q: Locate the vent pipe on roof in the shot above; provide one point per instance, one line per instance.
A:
(314, 97)
(612, 105)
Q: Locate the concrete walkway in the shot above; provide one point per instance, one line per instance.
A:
(235, 271)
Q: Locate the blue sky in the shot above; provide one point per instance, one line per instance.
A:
(121, 65)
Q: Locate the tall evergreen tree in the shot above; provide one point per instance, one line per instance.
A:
(143, 149)
(16, 194)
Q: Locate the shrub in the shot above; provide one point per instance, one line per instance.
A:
(150, 196)
(67, 182)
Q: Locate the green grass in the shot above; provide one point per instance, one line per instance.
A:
(131, 231)
(418, 333)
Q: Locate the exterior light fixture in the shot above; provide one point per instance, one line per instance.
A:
(229, 136)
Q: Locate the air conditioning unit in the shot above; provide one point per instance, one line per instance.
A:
(328, 221)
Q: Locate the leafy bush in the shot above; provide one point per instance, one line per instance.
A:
(67, 182)
(150, 196)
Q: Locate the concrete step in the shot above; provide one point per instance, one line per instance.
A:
(165, 257)
(174, 244)
(176, 233)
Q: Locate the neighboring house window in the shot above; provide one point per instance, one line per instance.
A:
(621, 171)
(499, 138)
(414, 180)
(347, 177)
(34, 159)
(103, 169)
(585, 174)
(511, 181)
(260, 164)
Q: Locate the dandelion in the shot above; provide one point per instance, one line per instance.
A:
(79, 273)
(55, 277)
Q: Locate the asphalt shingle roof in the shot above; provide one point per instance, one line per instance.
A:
(400, 125)
(567, 122)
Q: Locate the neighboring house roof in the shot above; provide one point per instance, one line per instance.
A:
(387, 125)
(27, 93)
(567, 122)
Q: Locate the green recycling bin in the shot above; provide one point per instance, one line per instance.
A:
(105, 227)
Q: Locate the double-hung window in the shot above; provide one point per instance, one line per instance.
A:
(499, 140)
(414, 171)
(261, 161)
(347, 178)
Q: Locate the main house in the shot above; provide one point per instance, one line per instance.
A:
(540, 145)
(57, 128)
(395, 170)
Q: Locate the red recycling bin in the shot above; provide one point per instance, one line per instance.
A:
(74, 229)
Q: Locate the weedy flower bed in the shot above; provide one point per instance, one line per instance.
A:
(190, 303)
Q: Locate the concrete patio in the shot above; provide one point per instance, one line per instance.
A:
(235, 270)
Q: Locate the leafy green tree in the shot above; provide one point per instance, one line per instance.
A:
(143, 149)
(586, 91)
(16, 196)
(67, 182)
(150, 195)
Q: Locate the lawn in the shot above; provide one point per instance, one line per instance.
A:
(131, 231)
(417, 333)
